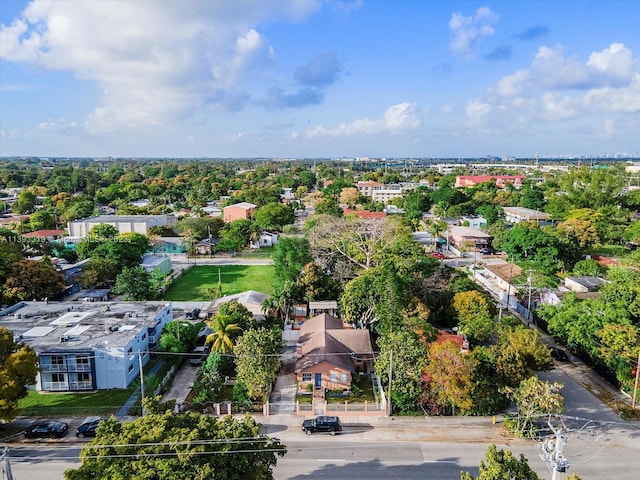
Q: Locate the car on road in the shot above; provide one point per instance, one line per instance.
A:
(559, 354)
(322, 424)
(439, 255)
(88, 427)
(47, 429)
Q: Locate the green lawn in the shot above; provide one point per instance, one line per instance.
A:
(102, 402)
(193, 284)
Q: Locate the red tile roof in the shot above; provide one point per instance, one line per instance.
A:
(44, 233)
(364, 213)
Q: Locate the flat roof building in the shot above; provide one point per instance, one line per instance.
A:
(122, 223)
(85, 345)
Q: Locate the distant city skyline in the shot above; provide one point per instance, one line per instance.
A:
(323, 79)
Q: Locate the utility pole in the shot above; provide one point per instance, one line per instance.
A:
(390, 377)
(552, 452)
(142, 380)
(6, 466)
(529, 314)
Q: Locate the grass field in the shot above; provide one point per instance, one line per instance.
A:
(193, 284)
(103, 402)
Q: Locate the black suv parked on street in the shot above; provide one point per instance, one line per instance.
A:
(322, 424)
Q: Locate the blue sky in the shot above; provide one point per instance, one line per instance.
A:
(334, 78)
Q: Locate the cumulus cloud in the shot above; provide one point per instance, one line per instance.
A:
(467, 30)
(320, 71)
(398, 118)
(154, 61)
(556, 88)
(615, 63)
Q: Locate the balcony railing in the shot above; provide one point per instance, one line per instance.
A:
(79, 367)
(55, 386)
(48, 367)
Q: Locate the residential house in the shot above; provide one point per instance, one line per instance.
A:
(500, 180)
(502, 275)
(266, 239)
(250, 299)
(459, 339)
(122, 223)
(239, 211)
(474, 221)
(583, 284)
(88, 346)
(168, 246)
(467, 238)
(151, 262)
(368, 188)
(207, 246)
(328, 354)
(365, 214)
(13, 222)
(42, 235)
(520, 214)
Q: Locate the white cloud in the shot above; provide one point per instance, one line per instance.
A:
(615, 62)
(476, 110)
(557, 88)
(468, 29)
(398, 118)
(59, 125)
(609, 99)
(154, 61)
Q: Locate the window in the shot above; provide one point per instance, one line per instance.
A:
(343, 378)
(57, 360)
(84, 377)
(144, 335)
(130, 350)
(82, 360)
(334, 377)
(306, 377)
(57, 377)
(130, 368)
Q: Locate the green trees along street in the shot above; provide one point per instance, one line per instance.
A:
(166, 446)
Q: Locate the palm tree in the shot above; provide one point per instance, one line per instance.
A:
(224, 333)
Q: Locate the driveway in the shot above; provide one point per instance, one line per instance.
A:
(283, 395)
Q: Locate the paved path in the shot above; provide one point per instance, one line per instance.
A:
(182, 383)
(125, 409)
(283, 396)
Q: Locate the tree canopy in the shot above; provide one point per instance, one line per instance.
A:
(18, 369)
(166, 446)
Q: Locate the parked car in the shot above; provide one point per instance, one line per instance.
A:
(88, 427)
(199, 355)
(487, 251)
(322, 424)
(195, 313)
(438, 255)
(559, 354)
(47, 429)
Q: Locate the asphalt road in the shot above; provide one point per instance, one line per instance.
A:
(593, 456)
